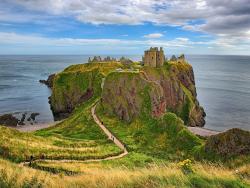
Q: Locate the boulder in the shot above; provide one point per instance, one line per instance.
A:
(21, 122)
(33, 116)
(8, 120)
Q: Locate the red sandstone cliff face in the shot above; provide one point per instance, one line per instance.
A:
(163, 89)
(121, 95)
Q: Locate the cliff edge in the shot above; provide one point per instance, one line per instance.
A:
(153, 91)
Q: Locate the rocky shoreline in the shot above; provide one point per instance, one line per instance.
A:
(18, 120)
(21, 119)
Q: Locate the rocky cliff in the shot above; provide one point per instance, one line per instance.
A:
(153, 91)
(129, 92)
(76, 85)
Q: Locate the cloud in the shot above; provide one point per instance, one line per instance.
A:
(15, 38)
(225, 16)
(153, 36)
(20, 39)
(38, 43)
(226, 20)
(35, 44)
(182, 39)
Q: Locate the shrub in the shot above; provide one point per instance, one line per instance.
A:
(186, 166)
(186, 140)
(172, 123)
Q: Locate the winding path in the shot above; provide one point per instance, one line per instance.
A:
(109, 134)
(106, 131)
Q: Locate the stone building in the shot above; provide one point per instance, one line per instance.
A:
(154, 57)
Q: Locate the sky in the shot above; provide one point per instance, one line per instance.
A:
(86, 27)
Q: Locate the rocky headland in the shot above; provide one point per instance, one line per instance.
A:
(129, 89)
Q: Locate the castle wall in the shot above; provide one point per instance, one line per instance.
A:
(161, 59)
(150, 58)
(154, 57)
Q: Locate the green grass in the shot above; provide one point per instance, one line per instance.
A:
(78, 137)
(99, 175)
(165, 138)
(104, 67)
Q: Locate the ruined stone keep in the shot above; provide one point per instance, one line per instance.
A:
(154, 57)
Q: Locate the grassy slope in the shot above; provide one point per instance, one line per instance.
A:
(166, 138)
(78, 137)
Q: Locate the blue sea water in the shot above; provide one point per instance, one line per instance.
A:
(223, 86)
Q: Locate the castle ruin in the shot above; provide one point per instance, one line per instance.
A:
(154, 57)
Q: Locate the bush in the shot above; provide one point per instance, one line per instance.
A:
(230, 143)
(172, 124)
(186, 166)
(186, 140)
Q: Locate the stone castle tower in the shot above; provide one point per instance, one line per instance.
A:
(154, 57)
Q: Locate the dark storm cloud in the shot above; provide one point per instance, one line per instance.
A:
(228, 17)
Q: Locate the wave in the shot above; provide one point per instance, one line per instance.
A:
(16, 98)
(15, 77)
(226, 90)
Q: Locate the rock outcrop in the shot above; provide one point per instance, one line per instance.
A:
(49, 81)
(232, 142)
(77, 84)
(153, 91)
(8, 120)
(33, 116)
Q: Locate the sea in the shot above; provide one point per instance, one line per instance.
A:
(222, 82)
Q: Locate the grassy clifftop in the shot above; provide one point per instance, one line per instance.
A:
(104, 67)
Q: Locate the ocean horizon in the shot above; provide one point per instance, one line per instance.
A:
(222, 82)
